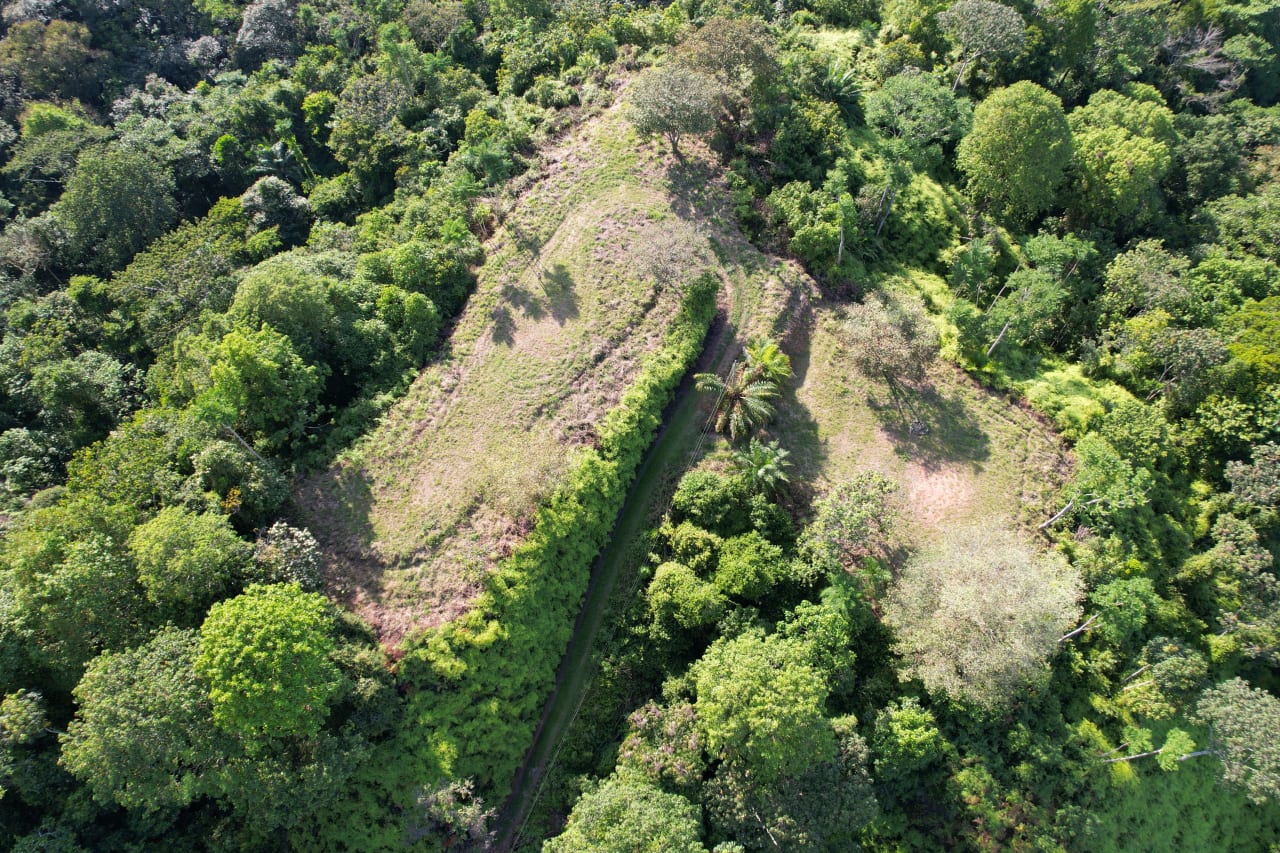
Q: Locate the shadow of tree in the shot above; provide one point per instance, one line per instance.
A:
(558, 285)
(930, 427)
(689, 182)
(517, 297)
(504, 326)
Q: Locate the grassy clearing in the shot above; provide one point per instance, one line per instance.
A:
(981, 456)
(578, 285)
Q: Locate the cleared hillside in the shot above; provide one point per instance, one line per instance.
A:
(578, 284)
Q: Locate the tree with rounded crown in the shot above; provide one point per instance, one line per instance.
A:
(1017, 153)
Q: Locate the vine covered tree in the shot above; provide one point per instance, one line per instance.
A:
(978, 617)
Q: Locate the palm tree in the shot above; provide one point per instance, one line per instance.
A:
(763, 465)
(743, 401)
(765, 361)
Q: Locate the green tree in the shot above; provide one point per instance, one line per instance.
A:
(1244, 731)
(981, 29)
(626, 814)
(1015, 157)
(673, 101)
(918, 109)
(51, 59)
(678, 597)
(749, 566)
(1030, 308)
(186, 561)
(742, 404)
(763, 465)
(891, 339)
(852, 521)
(760, 706)
(265, 655)
(116, 202)
(1123, 151)
(143, 736)
(260, 387)
(765, 361)
(978, 617)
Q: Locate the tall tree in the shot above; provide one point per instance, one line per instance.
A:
(1015, 157)
(673, 101)
(117, 201)
(143, 736)
(981, 29)
(1244, 732)
(627, 814)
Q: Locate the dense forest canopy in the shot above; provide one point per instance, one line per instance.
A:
(850, 611)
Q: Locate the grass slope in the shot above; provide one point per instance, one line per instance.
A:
(578, 284)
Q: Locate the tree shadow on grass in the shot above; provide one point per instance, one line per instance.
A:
(517, 297)
(689, 182)
(504, 326)
(931, 427)
(558, 285)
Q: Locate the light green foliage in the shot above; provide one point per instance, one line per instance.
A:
(143, 736)
(265, 656)
(891, 339)
(626, 814)
(978, 617)
(808, 142)
(1245, 730)
(1170, 675)
(1016, 155)
(186, 561)
(1124, 606)
(259, 386)
(1123, 152)
(1029, 311)
(693, 547)
(749, 567)
(760, 706)
(853, 521)
(906, 742)
(762, 465)
(677, 595)
(673, 101)
(711, 501)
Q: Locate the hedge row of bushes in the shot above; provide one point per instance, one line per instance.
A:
(482, 679)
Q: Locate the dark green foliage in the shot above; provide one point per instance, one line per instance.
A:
(144, 737)
(116, 202)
